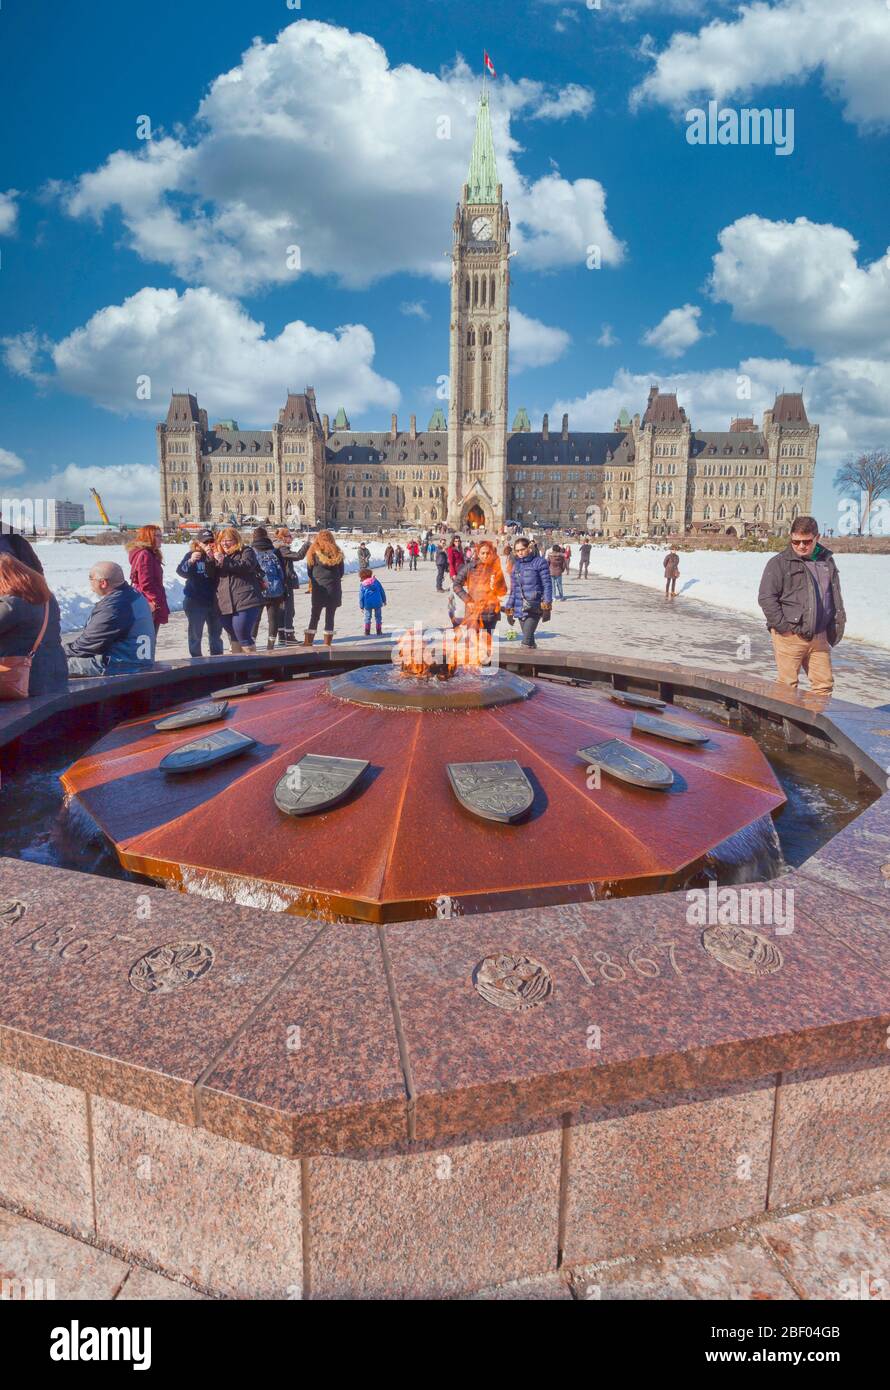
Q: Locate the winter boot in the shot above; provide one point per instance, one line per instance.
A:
(368, 629)
(235, 647)
(308, 637)
(329, 639)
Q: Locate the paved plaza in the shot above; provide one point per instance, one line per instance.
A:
(609, 616)
(836, 1251)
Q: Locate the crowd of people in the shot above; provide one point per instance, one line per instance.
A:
(231, 583)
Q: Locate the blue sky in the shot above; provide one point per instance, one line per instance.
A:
(727, 272)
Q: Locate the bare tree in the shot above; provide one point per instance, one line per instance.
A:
(868, 477)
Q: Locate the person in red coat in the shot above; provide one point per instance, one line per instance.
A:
(455, 556)
(147, 571)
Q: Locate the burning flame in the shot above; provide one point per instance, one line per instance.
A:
(432, 653)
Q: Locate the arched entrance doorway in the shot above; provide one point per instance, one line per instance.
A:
(475, 517)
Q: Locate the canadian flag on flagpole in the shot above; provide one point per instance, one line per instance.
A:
(489, 65)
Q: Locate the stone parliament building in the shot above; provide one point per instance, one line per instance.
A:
(650, 475)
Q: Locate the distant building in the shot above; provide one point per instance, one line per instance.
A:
(64, 516)
(649, 475)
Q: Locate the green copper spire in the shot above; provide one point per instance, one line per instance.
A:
(482, 180)
(437, 420)
(340, 420)
(522, 424)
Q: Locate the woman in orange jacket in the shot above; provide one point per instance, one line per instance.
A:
(481, 584)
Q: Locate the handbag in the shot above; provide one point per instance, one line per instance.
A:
(15, 671)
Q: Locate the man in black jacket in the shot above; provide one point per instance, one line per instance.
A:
(800, 594)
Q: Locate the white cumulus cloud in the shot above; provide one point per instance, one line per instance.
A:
(204, 342)
(10, 464)
(314, 117)
(9, 211)
(770, 45)
(676, 332)
(803, 279)
(534, 344)
(573, 100)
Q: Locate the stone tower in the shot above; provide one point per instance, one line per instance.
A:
(480, 329)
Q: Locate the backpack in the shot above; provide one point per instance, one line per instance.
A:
(272, 574)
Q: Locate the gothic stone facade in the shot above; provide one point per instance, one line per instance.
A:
(650, 475)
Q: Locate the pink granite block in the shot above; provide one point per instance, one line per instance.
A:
(639, 1175)
(44, 1150)
(832, 1132)
(49, 1265)
(220, 1214)
(430, 1222)
(837, 1252)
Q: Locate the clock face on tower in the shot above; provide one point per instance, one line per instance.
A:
(481, 228)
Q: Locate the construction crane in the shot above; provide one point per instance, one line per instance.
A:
(98, 501)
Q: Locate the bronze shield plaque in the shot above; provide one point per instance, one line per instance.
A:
(495, 791)
(669, 728)
(316, 783)
(206, 752)
(627, 697)
(195, 714)
(248, 688)
(618, 759)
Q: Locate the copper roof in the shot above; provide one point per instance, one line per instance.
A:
(663, 409)
(789, 409)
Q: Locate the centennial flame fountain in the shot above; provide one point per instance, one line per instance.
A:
(430, 786)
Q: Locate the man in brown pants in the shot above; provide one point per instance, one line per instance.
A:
(800, 594)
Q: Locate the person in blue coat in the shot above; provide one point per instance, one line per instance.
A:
(371, 598)
(531, 590)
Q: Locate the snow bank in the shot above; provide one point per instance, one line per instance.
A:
(67, 565)
(732, 578)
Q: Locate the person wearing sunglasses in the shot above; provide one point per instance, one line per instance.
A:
(800, 595)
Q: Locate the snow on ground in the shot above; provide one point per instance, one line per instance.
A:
(68, 563)
(732, 578)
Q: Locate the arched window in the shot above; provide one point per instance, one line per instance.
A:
(467, 291)
(491, 294)
(477, 456)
